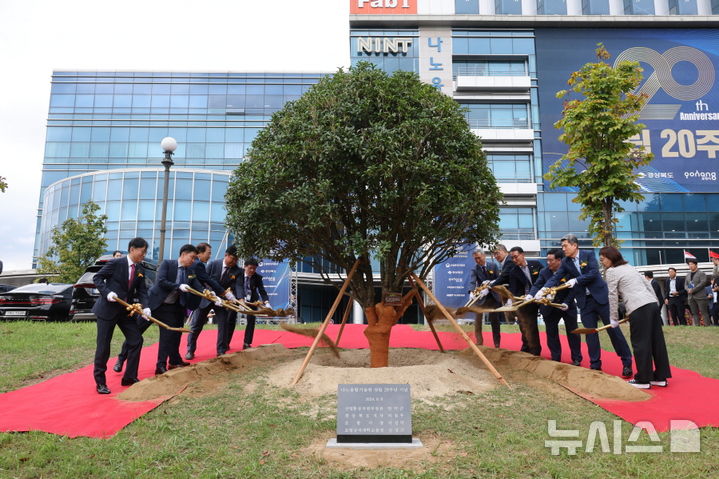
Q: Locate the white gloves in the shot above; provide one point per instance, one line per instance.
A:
(540, 294)
(614, 323)
(508, 303)
(564, 306)
(184, 288)
(528, 297)
(572, 282)
(146, 313)
(218, 301)
(268, 305)
(230, 297)
(112, 297)
(483, 293)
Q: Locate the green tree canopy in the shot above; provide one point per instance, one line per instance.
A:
(75, 245)
(3, 184)
(365, 165)
(601, 162)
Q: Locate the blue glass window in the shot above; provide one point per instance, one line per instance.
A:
(497, 115)
(595, 7)
(552, 7)
(489, 67)
(62, 101)
(57, 133)
(507, 7)
(715, 7)
(683, 7)
(466, 6)
(639, 7)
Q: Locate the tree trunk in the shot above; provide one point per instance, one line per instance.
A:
(380, 319)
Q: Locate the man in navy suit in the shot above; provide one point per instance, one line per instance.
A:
(120, 278)
(552, 315)
(169, 299)
(250, 287)
(676, 297)
(224, 272)
(592, 298)
(485, 271)
(521, 278)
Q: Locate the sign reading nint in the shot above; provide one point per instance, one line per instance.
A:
(383, 7)
(383, 45)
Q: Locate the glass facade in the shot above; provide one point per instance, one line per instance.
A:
(115, 120)
(683, 7)
(552, 7)
(132, 200)
(391, 50)
(639, 7)
(466, 6)
(489, 67)
(595, 7)
(508, 7)
(715, 7)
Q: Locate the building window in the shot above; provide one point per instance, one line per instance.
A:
(497, 115)
(470, 7)
(552, 7)
(715, 7)
(516, 223)
(683, 7)
(489, 68)
(511, 168)
(507, 7)
(639, 7)
(595, 7)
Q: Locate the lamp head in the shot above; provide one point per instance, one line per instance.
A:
(168, 144)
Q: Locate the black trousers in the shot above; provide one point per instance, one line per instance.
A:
(226, 321)
(527, 319)
(551, 322)
(133, 338)
(715, 313)
(676, 310)
(650, 351)
(495, 319)
(142, 325)
(169, 349)
(199, 320)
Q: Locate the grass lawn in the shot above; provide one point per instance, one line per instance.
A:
(251, 429)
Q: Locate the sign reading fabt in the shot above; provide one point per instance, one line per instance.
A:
(383, 7)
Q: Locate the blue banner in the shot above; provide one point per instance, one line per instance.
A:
(451, 279)
(681, 117)
(276, 276)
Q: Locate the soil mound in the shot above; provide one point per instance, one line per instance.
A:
(430, 373)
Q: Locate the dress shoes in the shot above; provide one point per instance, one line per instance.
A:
(160, 370)
(246, 346)
(576, 362)
(190, 355)
(102, 389)
(181, 364)
(117, 367)
(129, 381)
(627, 372)
(661, 384)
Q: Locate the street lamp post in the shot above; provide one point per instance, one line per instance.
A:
(169, 145)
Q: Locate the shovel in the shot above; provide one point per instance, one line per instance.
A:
(596, 330)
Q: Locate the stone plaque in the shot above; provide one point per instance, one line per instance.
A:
(374, 413)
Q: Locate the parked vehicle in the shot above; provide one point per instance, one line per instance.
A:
(85, 294)
(6, 287)
(37, 302)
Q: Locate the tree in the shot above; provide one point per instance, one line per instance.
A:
(75, 245)
(597, 129)
(3, 184)
(366, 165)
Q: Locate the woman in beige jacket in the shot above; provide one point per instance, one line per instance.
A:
(650, 350)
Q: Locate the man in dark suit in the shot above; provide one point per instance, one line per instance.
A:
(169, 299)
(485, 271)
(120, 278)
(649, 276)
(521, 278)
(675, 297)
(224, 272)
(552, 315)
(505, 264)
(593, 300)
(250, 287)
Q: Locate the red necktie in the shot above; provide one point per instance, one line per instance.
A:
(132, 276)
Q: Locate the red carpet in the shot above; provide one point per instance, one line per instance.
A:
(68, 404)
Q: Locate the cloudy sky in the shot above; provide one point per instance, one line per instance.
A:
(39, 36)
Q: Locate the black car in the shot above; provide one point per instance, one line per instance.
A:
(85, 294)
(38, 302)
